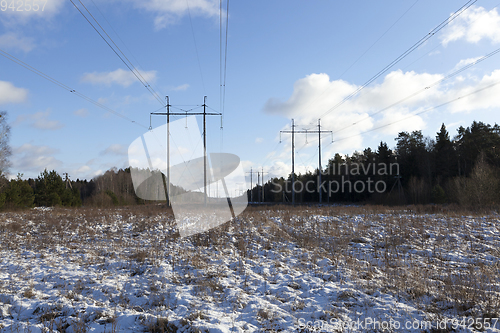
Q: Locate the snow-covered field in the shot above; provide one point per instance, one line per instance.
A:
(327, 269)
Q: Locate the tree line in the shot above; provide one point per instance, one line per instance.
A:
(113, 188)
(464, 169)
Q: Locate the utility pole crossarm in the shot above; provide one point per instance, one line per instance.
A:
(262, 173)
(186, 113)
(293, 158)
(293, 132)
(299, 132)
(251, 172)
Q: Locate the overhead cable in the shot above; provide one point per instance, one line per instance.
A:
(458, 71)
(118, 52)
(65, 87)
(403, 55)
(421, 112)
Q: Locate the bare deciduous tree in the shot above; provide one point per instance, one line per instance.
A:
(5, 150)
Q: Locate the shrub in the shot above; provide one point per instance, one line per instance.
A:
(438, 196)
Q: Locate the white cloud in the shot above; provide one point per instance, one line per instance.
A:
(40, 120)
(11, 94)
(115, 149)
(259, 140)
(169, 11)
(399, 121)
(87, 172)
(120, 76)
(83, 172)
(102, 100)
(33, 158)
(474, 25)
(14, 41)
(25, 11)
(279, 169)
(81, 113)
(485, 99)
(396, 86)
(314, 92)
(282, 169)
(453, 125)
(182, 87)
(371, 109)
(465, 62)
(318, 95)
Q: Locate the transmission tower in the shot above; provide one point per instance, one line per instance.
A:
(262, 173)
(67, 181)
(251, 172)
(293, 132)
(204, 114)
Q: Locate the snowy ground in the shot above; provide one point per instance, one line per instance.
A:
(329, 269)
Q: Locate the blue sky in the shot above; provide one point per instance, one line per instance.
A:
(286, 59)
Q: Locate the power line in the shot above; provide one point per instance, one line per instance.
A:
(421, 112)
(65, 87)
(223, 54)
(204, 114)
(270, 154)
(223, 66)
(293, 132)
(121, 40)
(366, 51)
(460, 70)
(118, 52)
(220, 54)
(403, 55)
(371, 46)
(435, 47)
(251, 172)
(195, 46)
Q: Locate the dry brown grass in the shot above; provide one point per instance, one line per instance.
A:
(390, 266)
(404, 251)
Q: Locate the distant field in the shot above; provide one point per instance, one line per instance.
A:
(274, 269)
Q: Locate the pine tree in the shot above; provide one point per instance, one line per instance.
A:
(49, 188)
(445, 158)
(413, 155)
(473, 140)
(19, 194)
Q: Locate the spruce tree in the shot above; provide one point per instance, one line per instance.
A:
(445, 158)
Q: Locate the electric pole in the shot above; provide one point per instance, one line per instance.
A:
(293, 132)
(251, 183)
(205, 148)
(67, 181)
(168, 151)
(257, 186)
(319, 157)
(204, 114)
(263, 183)
(293, 158)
